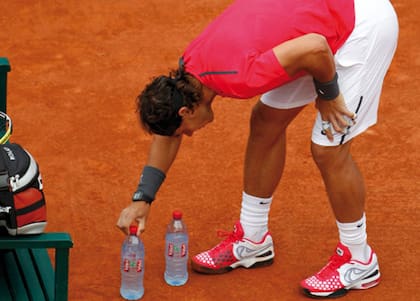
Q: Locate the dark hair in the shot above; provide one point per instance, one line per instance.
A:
(159, 102)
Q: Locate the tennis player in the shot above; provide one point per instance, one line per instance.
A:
(334, 53)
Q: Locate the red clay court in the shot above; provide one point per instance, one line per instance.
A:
(77, 67)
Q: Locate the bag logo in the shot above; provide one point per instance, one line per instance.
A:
(9, 153)
(5, 209)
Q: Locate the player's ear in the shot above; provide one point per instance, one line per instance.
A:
(184, 111)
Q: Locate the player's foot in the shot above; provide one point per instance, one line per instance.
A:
(235, 251)
(342, 274)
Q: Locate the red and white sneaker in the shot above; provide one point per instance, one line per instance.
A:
(235, 251)
(342, 274)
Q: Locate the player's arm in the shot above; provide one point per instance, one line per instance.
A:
(312, 54)
(163, 151)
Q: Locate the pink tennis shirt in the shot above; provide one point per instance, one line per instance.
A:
(233, 55)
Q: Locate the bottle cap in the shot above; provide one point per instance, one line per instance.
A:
(133, 229)
(177, 214)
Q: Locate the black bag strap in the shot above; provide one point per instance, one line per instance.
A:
(4, 180)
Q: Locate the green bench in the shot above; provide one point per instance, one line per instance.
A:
(26, 270)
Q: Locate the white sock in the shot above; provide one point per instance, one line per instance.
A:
(254, 216)
(353, 235)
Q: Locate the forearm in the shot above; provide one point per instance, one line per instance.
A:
(163, 151)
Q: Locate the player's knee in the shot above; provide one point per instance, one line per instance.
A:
(256, 122)
(265, 120)
(329, 156)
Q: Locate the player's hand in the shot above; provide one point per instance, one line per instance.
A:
(336, 113)
(135, 212)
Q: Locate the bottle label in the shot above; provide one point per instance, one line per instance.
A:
(183, 250)
(170, 249)
(139, 265)
(126, 265)
(180, 251)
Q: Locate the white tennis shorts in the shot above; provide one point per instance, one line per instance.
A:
(361, 64)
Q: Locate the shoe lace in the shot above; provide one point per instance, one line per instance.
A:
(229, 237)
(334, 263)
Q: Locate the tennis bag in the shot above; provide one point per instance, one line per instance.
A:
(22, 202)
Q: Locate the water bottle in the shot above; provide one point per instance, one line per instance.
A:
(132, 266)
(176, 255)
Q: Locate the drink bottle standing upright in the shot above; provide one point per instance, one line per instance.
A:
(132, 266)
(176, 254)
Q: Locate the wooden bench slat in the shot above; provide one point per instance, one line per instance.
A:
(61, 274)
(29, 274)
(44, 270)
(17, 287)
(4, 289)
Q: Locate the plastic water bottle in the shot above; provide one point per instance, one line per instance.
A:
(132, 266)
(176, 256)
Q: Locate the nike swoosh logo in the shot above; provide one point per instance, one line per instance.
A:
(245, 252)
(353, 274)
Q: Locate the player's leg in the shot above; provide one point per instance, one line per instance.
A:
(361, 64)
(264, 164)
(266, 149)
(355, 265)
(343, 180)
(250, 244)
